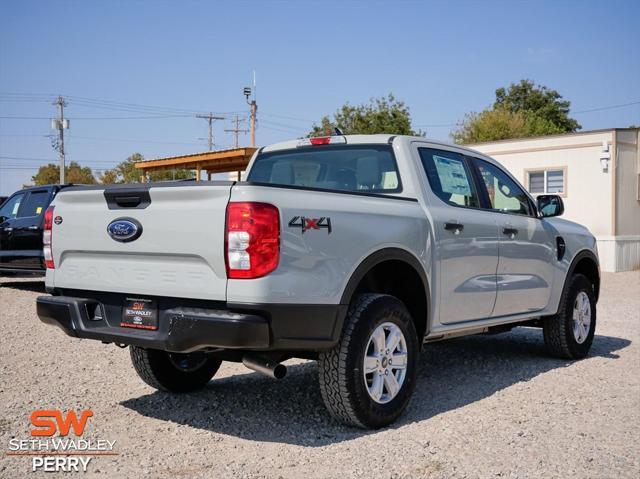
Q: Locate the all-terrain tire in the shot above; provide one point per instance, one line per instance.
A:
(559, 338)
(342, 381)
(172, 372)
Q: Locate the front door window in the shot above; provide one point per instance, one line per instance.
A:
(504, 194)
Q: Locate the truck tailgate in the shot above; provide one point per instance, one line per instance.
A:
(180, 252)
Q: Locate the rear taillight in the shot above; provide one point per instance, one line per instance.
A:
(252, 240)
(46, 238)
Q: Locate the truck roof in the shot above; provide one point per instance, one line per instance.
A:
(369, 139)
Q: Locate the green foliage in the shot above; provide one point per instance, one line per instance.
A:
(108, 177)
(501, 124)
(126, 172)
(539, 101)
(73, 173)
(489, 125)
(523, 110)
(380, 115)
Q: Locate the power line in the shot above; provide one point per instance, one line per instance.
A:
(578, 112)
(98, 117)
(622, 105)
(23, 135)
(134, 140)
(97, 102)
(288, 117)
(25, 158)
(291, 132)
(34, 168)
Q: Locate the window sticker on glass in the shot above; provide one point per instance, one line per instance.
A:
(16, 206)
(453, 177)
(39, 210)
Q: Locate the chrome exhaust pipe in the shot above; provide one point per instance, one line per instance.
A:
(265, 366)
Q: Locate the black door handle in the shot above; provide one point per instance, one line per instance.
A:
(455, 227)
(509, 231)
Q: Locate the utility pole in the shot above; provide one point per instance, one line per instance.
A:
(252, 121)
(236, 131)
(237, 120)
(254, 109)
(210, 118)
(60, 124)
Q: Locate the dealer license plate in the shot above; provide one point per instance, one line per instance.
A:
(140, 313)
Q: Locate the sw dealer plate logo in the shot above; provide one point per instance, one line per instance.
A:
(305, 224)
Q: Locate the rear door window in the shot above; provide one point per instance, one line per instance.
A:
(357, 168)
(35, 204)
(449, 177)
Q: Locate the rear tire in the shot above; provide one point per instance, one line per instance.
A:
(362, 379)
(173, 372)
(569, 334)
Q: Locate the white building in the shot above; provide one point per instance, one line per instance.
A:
(598, 175)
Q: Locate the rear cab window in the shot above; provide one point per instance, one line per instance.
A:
(351, 168)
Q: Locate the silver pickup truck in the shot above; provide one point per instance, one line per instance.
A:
(357, 251)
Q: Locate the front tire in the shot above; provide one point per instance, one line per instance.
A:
(569, 334)
(368, 378)
(173, 372)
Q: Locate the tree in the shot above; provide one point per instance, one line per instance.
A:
(380, 115)
(501, 124)
(490, 125)
(73, 173)
(126, 172)
(108, 177)
(539, 101)
(523, 110)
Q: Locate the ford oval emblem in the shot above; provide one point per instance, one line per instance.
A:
(124, 229)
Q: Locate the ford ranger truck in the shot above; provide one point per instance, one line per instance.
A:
(356, 251)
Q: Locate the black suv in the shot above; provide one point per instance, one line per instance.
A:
(21, 224)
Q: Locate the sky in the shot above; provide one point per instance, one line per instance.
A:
(118, 63)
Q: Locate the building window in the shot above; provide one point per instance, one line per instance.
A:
(551, 181)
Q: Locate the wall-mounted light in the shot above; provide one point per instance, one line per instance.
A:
(605, 157)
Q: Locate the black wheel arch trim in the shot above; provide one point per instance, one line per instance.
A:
(579, 256)
(380, 256)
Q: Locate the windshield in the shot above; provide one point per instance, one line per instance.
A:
(360, 168)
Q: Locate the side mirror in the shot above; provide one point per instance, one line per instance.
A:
(550, 205)
(3, 219)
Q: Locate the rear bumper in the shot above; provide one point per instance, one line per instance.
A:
(184, 328)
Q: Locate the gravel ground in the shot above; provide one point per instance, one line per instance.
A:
(485, 406)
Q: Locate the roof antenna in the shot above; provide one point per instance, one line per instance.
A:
(337, 131)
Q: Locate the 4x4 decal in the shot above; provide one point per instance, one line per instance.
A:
(306, 224)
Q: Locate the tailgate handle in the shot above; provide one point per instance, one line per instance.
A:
(128, 201)
(131, 198)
